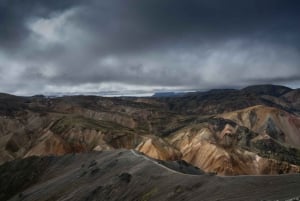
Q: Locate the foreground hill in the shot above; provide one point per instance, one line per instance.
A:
(128, 175)
(254, 131)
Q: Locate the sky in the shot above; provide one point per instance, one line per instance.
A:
(88, 46)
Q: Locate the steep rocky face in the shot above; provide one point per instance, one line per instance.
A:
(158, 148)
(222, 146)
(293, 98)
(49, 144)
(273, 122)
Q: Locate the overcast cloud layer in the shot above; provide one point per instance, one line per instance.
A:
(100, 45)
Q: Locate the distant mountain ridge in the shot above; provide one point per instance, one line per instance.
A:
(168, 94)
(268, 89)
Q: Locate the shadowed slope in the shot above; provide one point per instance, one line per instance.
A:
(125, 175)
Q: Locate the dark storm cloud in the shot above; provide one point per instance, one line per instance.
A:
(191, 43)
(136, 24)
(14, 13)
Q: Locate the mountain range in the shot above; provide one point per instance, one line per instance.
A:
(129, 148)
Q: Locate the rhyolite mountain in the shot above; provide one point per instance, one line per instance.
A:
(226, 131)
(252, 131)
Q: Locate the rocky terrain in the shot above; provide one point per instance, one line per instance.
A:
(128, 175)
(228, 132)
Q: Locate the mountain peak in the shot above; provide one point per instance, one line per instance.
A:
(267, 89)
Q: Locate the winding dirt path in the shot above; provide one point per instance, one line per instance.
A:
(134, 152)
